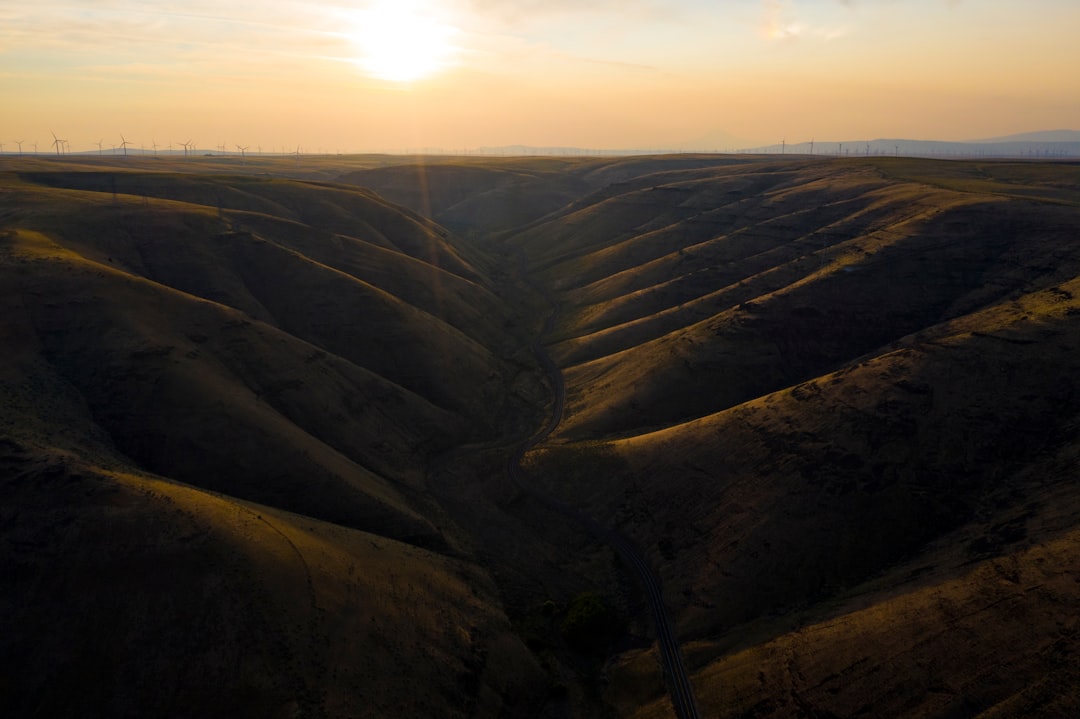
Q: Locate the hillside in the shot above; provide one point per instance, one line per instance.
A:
(258, 427)
(220, 400)
(834, 404)
(128, 595)
(482, 196)
(758, 277)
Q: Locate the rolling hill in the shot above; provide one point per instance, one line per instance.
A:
(218, 413)
(483, 196)
(255, 432)
(834, 403)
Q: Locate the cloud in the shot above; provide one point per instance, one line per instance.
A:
(782, 21)
(777, 24)
(122, 40)
(86, 24)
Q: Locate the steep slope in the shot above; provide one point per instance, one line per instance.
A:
(192, 390)
(697, 294)
(327, 208)
(483, 196)
(254, 434)
(126, 595)
(318, 286)
(215, 432)
(854, 462)
(480, 199)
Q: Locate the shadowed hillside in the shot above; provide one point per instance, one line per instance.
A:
(712, 289)
(488, 195)
(391, 306)
(218, 412)
(127, 595)
(835, 403)
(257, 436)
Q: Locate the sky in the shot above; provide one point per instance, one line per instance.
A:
(456, 75)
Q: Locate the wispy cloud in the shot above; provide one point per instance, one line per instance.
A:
(777, 23)
(88, 31)
(782, 20)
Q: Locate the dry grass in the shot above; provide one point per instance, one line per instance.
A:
(834, 401)
(286, 384)
(841, 417)
(760, 278)
(131, 595)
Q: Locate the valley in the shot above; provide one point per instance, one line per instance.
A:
(261, 425)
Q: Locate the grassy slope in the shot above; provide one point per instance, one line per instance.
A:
(128, 595)
(482, 196)
(344, 228)
(845, 394)
(191, 389)
(306, 280)
(694, 295)
(241, 359)
(879, 481)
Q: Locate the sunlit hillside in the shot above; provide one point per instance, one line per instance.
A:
(220, 396)
(260, 429)
(835, 404)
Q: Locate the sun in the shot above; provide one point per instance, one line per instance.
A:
(402, 40)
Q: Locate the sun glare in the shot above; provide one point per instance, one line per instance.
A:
(402, 40)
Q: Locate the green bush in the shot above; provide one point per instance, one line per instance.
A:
(590, 624)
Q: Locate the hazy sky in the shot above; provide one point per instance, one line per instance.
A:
(351, 76)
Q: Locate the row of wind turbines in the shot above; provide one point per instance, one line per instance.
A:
(839, 148)
(63, 147)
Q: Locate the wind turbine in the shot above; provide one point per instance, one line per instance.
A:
(57, 142)
(99, 146)
(783, 146)
(124, 143)
(242, 151)
(153, 143)
(222, 148)
(811, 146)
(19, 143)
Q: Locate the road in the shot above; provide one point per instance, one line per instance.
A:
(682, 692)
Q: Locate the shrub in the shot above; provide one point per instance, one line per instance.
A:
(590, 624)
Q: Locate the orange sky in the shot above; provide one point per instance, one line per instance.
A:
(462, 74)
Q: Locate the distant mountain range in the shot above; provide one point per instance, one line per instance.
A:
(1044, 144)
(1053, 144)
(1043, 136)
